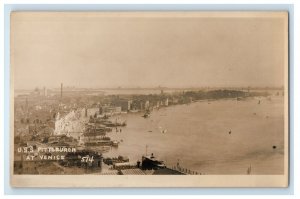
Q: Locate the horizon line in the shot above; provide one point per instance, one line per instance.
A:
(148, 88)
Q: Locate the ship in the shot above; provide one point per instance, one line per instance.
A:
(98, 143)
(150, 162)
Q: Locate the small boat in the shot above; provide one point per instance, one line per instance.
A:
(115, 143)
(147, 114)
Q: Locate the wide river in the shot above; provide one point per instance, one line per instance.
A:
(197, 136)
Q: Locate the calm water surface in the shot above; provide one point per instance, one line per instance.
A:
(197, 136)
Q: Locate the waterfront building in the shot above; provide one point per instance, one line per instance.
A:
(129, 105)
(147, 105)
(167, 102)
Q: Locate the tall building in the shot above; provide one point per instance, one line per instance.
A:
(129, 105)
(100, 109)
(45, 92)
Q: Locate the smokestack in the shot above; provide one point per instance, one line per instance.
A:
(26, 107)
(61, 90)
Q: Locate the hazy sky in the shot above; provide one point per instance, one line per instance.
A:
(96, 50)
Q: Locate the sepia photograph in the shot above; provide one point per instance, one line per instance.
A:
(149, 99)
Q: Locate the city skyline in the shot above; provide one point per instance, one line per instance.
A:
(55, 87)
